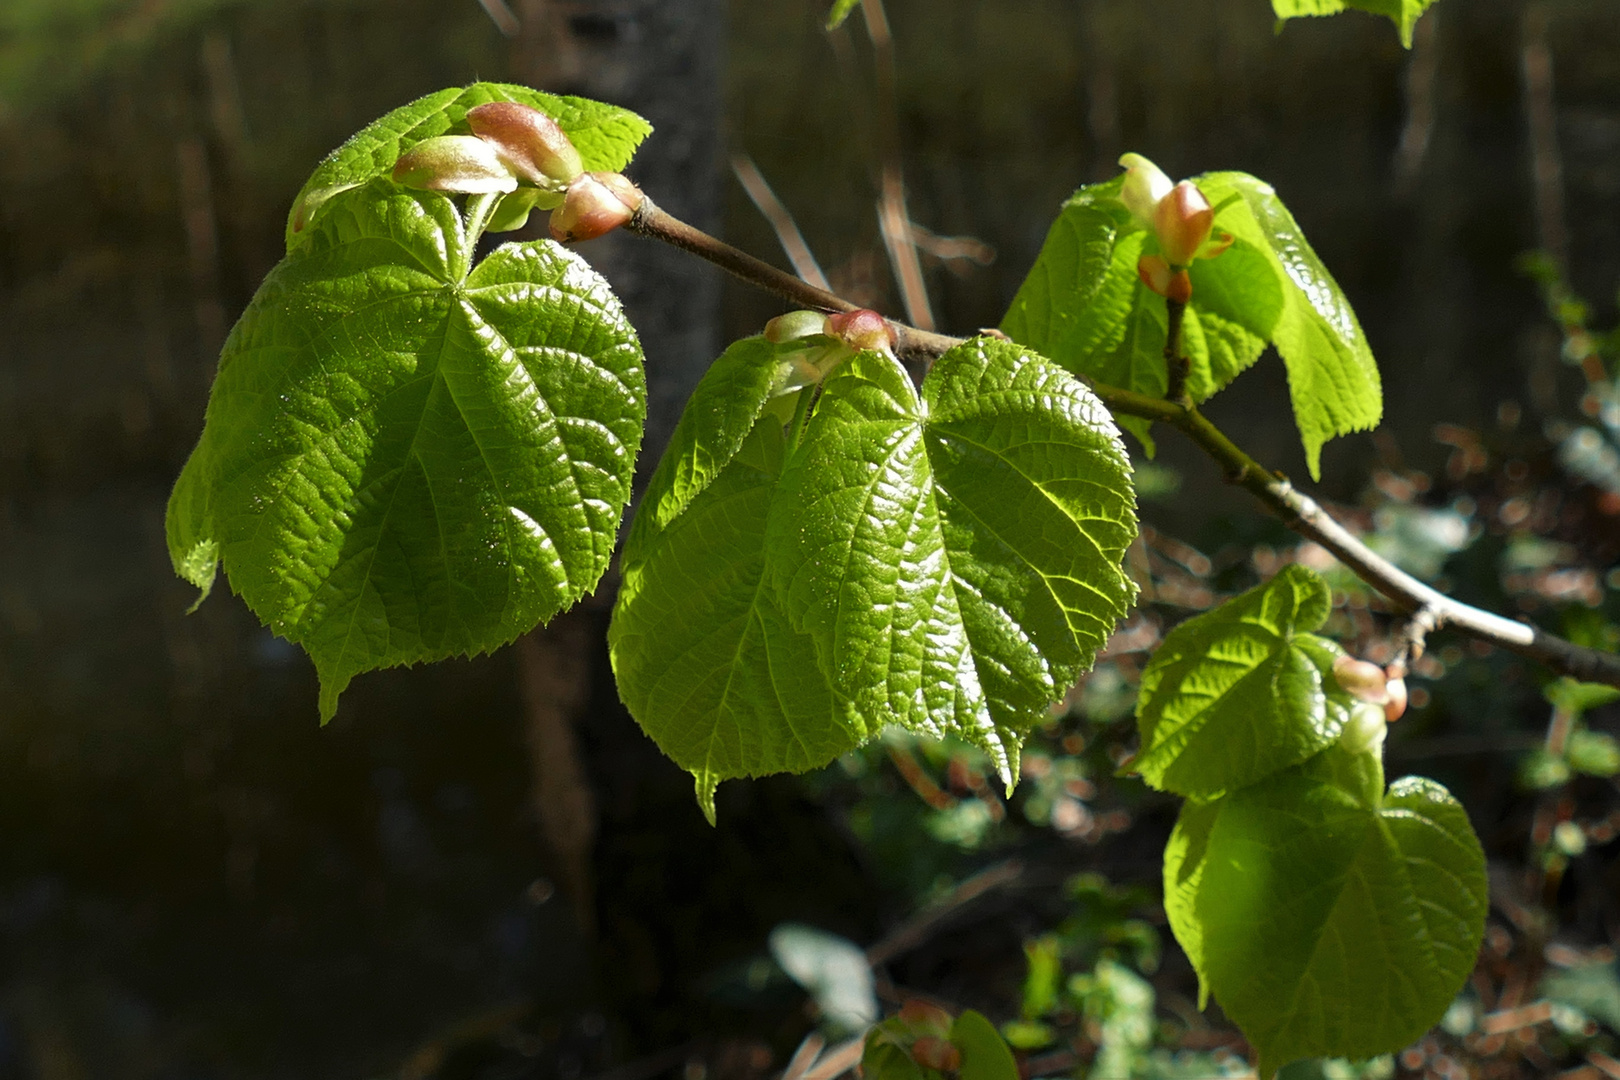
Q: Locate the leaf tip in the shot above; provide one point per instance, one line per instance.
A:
(332, 686)
(706, 783)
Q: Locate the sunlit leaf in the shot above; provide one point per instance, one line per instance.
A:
(606, 137)
(1333, 918)
(1241, 692)
(406, 457)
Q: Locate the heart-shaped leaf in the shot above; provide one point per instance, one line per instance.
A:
(705, 658)
(606, 137)
(1330, 918)
(1241, 692)
(407, 458)
(955, 556)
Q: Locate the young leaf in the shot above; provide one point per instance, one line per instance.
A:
(1336, 919)
(705, 659)
(606, 137)
(955, 557)
(1183, 873)
(1242, 691)
(1403, 13)
(1084, 306)
(1332, 377)
(407, 458)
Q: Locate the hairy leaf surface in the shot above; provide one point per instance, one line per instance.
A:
(407, 458)
(1333, 918)
(955, 556)
(606, 137)
(1403, 13)
(1241, 692)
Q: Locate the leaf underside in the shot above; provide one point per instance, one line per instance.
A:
(949, 562)
(407, 458)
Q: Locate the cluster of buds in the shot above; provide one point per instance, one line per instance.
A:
(1366, 681)
(810, 344)
(520, 152)
(1179, 217)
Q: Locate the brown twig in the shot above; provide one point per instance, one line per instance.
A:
(1273, 490)
(1175, 363)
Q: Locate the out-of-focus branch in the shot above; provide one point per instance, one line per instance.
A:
(780, 220)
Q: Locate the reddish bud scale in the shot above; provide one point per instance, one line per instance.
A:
(932, 1052)
(1395, 707)
(1168, 281)
(795, 325)
(863, 329)
(454, 163)
(1361, 679)
(596, 204)
(923, 1017)
(529, 141)
(1183, 220)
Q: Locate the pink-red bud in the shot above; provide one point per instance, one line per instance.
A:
(529, 141)
(923, 1017)
(1168, 281)
(457, 163)
(932, 1052)
(863, 329)
(795, 325)
(596, 204)
(1362, 680)
(1182, 221)
(1395, 707)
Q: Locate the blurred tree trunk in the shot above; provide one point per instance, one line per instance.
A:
(661, 58)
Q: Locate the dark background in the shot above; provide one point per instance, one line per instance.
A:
(196, 880)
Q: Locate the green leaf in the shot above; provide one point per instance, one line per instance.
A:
(1576, 697)
(955, 557)
(407, 458)
(1183, 873)
(606, 137)
(840, 11)
(705, 659)
(1403, 13)
(1332, 377)
(1242, 691)
(717, 418)
(985, 1055)
(1083, 305)
(1335, 919)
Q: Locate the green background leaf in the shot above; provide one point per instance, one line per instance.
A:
(1241, 692)
(839, 12)
(606, 137)
(1403, 13)
(985, 1055)
(405, 458)
(1336, 919)
(956, 558)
